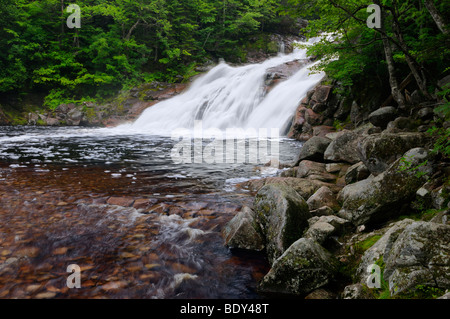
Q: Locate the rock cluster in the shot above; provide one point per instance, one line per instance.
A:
(335, 201)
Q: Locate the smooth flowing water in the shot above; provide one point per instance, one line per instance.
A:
(114, 202)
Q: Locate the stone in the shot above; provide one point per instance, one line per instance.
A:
(74, 117)
(314, 171)
(378, 151)
(320, 294)
(120, 201)
(446, 296)
(322, 211)
(381, 248)
(304, 267)
(313, 149)
(242, 232)
(313, 118)
(357, 291)
(305, 187)
(343, 148)
(380, 198)
(356, 173)
(401, 124)
(383, 116)
(50, 121)
(322, 93)
(282, 215)
(420, 256)
(323, 197)
(425, 113)
(323, 227)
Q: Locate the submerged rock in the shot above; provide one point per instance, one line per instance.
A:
(282, 215)
(304, 267)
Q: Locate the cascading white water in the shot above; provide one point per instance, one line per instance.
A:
(231, 97)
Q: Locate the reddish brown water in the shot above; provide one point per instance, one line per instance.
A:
(137, 225)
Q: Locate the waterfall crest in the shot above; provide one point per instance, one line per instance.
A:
(232, 97)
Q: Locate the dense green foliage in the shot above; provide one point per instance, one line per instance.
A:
(416, 41)
(120, 42)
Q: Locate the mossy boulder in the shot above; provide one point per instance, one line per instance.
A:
(380, 198)
(282, 215)
(304, 267)
(419, 257)
(378, 151)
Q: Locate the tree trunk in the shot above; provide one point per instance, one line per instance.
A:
(413, 65)
(436, 16)
(396, 94)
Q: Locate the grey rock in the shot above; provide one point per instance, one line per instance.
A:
(401, 124)
(304, 267)
(420, 256)
(242, 232)
(378, 151)
(314, 171)
(383, 116)
(282, 215)
(324, 227)
(313, 149)
(356, 173)
(322, 211)
(378, 199)
(74, 117)
(343, 148)
(381, 249)
(323, 197)
(446, 296)
(426, 113)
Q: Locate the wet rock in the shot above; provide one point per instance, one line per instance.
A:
(120, 201)
(74, 117)
(343, 148)
(356, 173)
(242, 231)
(282, 215)
(314, 171)
(378, 151)
(313, 149)
(323, 197)
(420, 256)
(304, 267)
(383, 116)
(379, 199)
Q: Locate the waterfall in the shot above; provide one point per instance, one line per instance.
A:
(232, 97)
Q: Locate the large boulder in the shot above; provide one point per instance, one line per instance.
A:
(304, 267)
(383, 116)
(380, 198)
(378, 151)
(381, 249)
(420, 256)
(242, 231)
(343, 148)
(313, 149)
(282, 215)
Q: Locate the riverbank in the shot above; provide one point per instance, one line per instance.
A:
(365, 195)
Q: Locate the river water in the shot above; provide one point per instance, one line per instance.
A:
(136, 221)
(138, 225)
